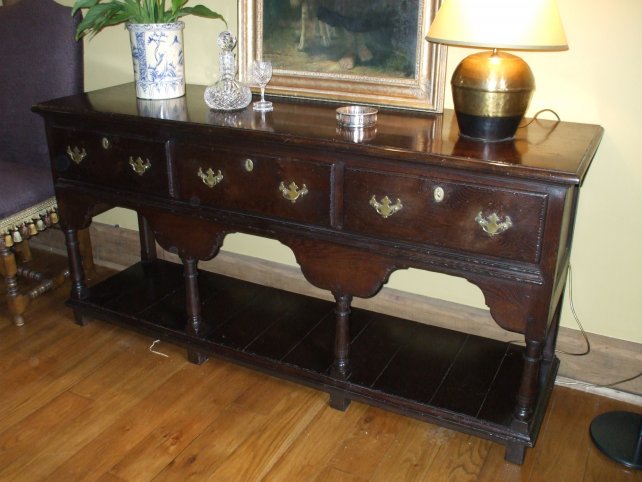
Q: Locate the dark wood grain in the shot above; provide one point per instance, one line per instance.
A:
(500, 215)
(535, 152)
(421, 365)
(464, 390)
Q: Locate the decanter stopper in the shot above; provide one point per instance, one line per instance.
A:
(227, 93)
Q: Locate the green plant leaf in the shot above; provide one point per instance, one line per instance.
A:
(98, 17)
(112, 12)
(92, 17)
(147, 11)
(131, 9)
(177, 5)
(82, 4)
(200, 11)
(157, 12)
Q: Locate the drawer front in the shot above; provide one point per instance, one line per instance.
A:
(276, 187)
(478, 219)
(109, 160)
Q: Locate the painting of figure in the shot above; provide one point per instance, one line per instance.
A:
(376, 38)
(363, 51)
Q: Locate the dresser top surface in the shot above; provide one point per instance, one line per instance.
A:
(544, 150)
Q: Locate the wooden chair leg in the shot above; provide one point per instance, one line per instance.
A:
(13, 267)
(23, 252)
(16, 302)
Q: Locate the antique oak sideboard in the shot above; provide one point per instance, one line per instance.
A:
(353, 206)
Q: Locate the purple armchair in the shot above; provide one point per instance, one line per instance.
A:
(39, 60)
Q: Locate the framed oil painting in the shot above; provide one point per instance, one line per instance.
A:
(369, 52)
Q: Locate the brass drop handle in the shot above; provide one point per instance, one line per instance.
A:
(139, 166)
(292, 192)
(493, 224)
(76, 154)
(385, 208)
(209, 178)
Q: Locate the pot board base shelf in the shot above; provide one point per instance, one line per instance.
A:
(454, 379)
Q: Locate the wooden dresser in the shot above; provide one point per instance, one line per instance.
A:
(353, 207)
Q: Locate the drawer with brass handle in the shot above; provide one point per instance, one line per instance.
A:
(239, 180)
(110, 160)
(457, 215)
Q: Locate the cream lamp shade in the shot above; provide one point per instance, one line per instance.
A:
(491, 90)
(499, 24)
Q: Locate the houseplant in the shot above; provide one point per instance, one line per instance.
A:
(156, 36)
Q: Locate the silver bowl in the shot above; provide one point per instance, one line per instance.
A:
(356, 116)
(357, 134)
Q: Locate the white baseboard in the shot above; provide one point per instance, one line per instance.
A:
(610, 359)
(628, 397)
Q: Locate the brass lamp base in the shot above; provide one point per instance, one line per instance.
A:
(491, 92)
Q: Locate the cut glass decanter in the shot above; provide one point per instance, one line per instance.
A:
(227, 93)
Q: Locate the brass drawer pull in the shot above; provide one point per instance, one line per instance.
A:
(76, 154)
(385, 208)
(492, 224)
(209, 178)
(139, 166)
(292, 192)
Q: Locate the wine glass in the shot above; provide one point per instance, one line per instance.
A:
(262, 73)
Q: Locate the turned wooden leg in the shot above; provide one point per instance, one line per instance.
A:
(79, 288)
(193, 326)
(147, 240)
(341, 365)
(526, 398)
(23, 251)
(551, 338)
(16, 302)
(86, 251)
(528, 389)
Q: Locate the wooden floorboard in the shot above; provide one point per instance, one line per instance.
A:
(94, 403)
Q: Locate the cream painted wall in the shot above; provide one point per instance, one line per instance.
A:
(596, 81)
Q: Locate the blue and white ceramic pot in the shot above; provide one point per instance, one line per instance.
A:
(157, 53)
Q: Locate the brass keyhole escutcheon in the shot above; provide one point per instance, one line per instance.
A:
(292, 192)
(106, 143)
(438, 194)
(249, 165)
(385, 208)
(209, 178)
(139, 166)
(76, 154)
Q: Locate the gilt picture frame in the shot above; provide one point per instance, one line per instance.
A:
(346, 51)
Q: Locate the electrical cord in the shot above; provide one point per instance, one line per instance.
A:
(577, 318)
(549, 131)
(584, 335)
(570, 282)
(534, 118)
(608, 385)
(586, 339)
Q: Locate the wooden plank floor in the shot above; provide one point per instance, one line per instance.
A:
(94, 403)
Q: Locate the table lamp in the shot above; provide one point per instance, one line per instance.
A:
(492, 89)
